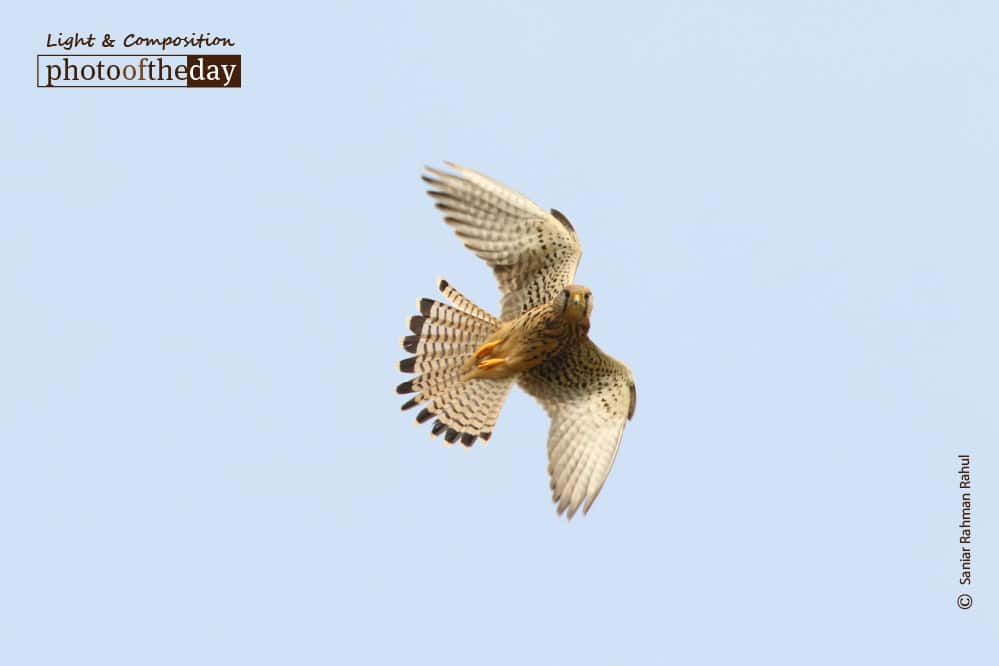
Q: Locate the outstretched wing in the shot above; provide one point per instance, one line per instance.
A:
(533, 253)
(589, 397)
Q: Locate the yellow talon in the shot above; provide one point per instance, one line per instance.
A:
(491, 363)
(486, 348)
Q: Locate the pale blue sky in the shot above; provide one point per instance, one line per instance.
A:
(789, 216)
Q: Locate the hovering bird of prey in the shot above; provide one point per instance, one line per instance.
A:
(466, 360)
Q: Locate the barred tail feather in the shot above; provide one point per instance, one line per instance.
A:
(443, 338)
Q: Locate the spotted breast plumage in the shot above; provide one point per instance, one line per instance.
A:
(465, 359)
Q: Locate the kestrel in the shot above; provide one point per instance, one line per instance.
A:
(466, 359)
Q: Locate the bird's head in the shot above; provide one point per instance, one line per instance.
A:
(577, 303)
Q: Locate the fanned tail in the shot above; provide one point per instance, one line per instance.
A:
(444, 337)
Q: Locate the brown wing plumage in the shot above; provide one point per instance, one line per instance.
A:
(589, 397)
(533, 252)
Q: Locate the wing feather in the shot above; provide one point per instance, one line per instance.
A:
(589, 397)
(533, 253)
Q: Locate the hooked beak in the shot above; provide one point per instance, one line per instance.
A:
(578, 301)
